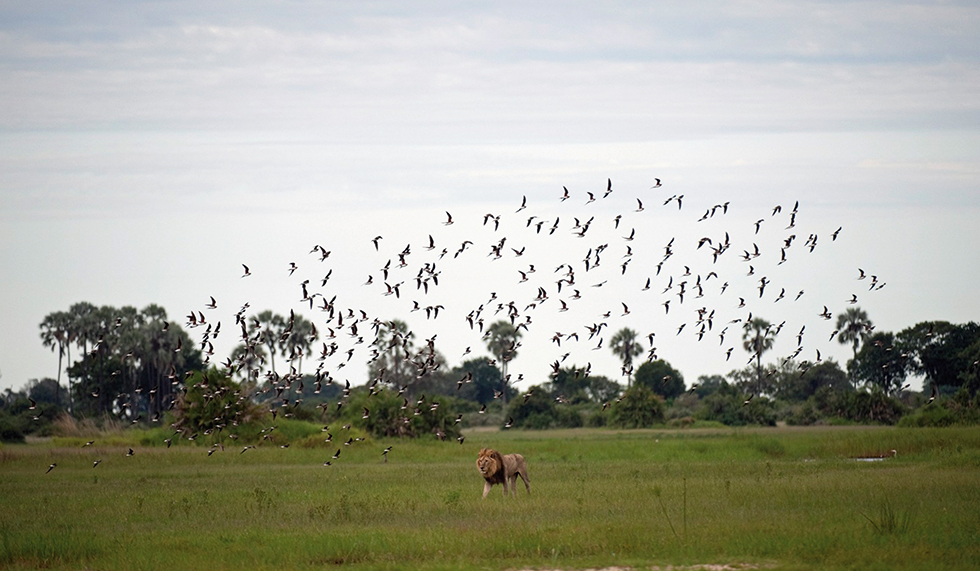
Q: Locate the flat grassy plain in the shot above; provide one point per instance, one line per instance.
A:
(784, 498)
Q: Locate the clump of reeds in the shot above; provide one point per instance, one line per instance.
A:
(890, 521)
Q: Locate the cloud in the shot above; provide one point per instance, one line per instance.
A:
(478, 73)
(137, 129)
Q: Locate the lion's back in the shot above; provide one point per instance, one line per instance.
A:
(515, 463)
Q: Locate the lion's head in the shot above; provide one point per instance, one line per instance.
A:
(491, 465)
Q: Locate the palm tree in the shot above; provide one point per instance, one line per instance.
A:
(157, 353)
(757, 338)
(250, 357)
(853, 327)
(299, 341)
(395, 364)
(54, 333)
(502, 338)
(84, 324)
(273, 325)
(128, 337)
(81, 326)
(624, 345)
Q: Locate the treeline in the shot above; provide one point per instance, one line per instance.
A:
(873, 388)
(137, 367)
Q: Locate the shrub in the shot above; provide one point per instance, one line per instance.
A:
(639, 407)
(10, 431)
(729, 407)
(805, 414)
(390, 416)
(211, 402)
(682, 422)
(540, 409)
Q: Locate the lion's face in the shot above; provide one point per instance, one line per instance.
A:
(487, 463)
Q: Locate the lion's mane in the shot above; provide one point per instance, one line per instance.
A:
(491, 465)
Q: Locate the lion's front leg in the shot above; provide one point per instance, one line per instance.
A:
(486, 489)
(506, 488)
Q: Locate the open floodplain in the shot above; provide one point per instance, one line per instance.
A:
(783, 498)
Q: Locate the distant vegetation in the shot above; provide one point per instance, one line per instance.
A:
(129, 367)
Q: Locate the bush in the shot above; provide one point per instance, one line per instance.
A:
(639, 407)
(729, 407)
(539, 409)
(597, 419)
(682, 422)
(685, 405)
(929, 415)
(10, 430)
(387, 419)
(805, 414)
(211, 402)
(960, 409)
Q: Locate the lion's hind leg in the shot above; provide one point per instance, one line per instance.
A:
(527, 482)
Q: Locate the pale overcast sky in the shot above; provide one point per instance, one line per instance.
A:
(148, 149)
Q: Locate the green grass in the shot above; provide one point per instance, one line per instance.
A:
(790, 498)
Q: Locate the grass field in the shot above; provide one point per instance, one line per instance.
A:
(768, 498)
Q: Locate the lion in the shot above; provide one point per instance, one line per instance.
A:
(502, 469)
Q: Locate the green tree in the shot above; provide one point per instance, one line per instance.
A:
(161, 364)
(661, 378)
(539, 409)
(55, 334)
(938, 350)
(800, 384)
(273, 334)
(749, 381)
(879, 365)
(299, 340)
(625, 346)
(708, 384)
(433, 376)
(130, 360)
(45, 390)
(758, 337)
(639, 407)
(484, 381)
(971, 375)
(502, 341)
(853, 328)
(246, 362)
(571, 384)
(394, 365)
(212, 402)
(602, 389)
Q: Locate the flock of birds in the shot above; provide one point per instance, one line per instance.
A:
(582, 274)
